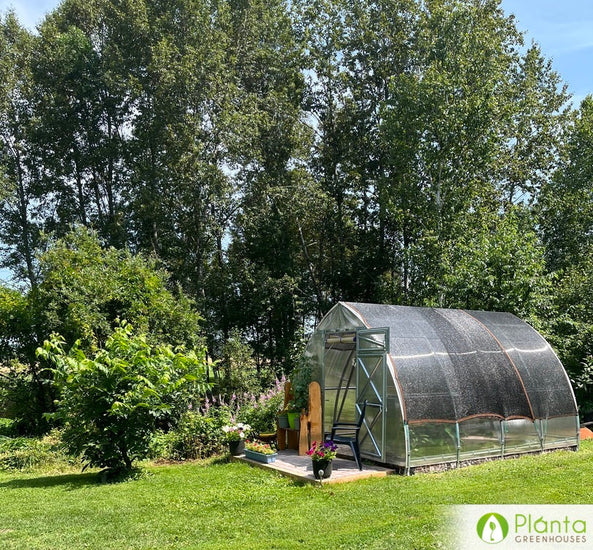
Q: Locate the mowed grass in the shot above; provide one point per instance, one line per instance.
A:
(219, 505)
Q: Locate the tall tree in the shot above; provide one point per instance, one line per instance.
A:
(266, 256)
(84, 105)
(566, 203)
(20, 214)
(566, 213)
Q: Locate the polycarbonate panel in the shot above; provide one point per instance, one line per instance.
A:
(480, 438)
(395, 440)
(339, 381)
(422, 365)
(342, 317)
(370, 388)
(486, 381)
(314, 354)
(347, 402)
(459, 372)
(542, 373)
(372, 340)
(520, 436)
(433, 443)
(329, 401)
(560, 432)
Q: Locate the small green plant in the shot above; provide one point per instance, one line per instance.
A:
(197, 435)
(300, 380)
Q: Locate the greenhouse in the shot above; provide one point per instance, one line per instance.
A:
(441, 386)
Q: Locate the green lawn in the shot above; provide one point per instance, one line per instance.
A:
(223, 505)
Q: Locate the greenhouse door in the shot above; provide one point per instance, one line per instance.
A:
(371, 350)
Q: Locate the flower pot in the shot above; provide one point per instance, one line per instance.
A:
(237, 447)
(283, 421)
(292, 419)
(260, 457)
(322, 469)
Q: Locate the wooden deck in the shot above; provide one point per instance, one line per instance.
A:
(290, 464)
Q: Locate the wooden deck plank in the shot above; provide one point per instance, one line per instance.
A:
(299, 468)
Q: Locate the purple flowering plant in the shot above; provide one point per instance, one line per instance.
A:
(323, 450)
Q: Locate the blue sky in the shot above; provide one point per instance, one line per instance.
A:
(564, 31)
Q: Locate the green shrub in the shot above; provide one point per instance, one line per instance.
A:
(112, 404)
(7, 427)
(260, 412)
(26, 453)
(197, 435)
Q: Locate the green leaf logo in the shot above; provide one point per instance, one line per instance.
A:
(492, 528)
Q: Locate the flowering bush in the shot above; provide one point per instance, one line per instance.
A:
(200, 433)
(236, 432)
(260, 410)
(324, 450)
(259, 447)
(197, 435)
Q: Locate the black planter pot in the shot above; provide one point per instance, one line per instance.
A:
(237, 447)
(322, 469)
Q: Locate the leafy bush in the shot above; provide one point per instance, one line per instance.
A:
(112, 404)
(7, 427)
(260, 411)
(25, 453)
(84, 288)
(197, 435)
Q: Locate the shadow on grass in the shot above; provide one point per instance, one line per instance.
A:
(222, 459)
(71, 482)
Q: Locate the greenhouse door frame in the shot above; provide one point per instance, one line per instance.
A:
(372, 347)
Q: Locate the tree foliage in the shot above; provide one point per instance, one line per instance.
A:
(276, 157)
(566, 212)
(84, 290)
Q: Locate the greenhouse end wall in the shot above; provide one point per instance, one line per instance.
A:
(457, 387)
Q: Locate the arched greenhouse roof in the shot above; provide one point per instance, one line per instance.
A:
(454, 365)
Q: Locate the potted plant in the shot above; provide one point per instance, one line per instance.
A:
(235, 436)
(282, 419)
(261, 452)
(293, 416)
(299, 402)
(322, 453)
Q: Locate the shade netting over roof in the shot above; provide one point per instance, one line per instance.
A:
(454, 364)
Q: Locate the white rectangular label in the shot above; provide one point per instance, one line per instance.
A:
(522, 527)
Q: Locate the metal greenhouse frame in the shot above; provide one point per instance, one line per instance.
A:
(442, 386)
